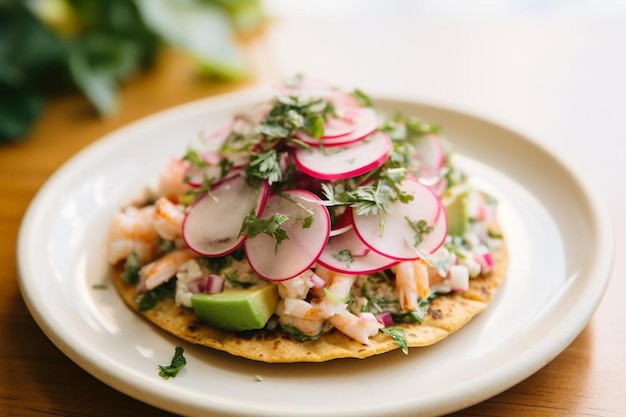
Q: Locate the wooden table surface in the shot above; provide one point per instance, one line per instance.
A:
(588, 378)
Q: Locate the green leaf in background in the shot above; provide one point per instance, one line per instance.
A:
(29, 52)
(18, 110)
(114, 45)
(50, 46)
(208, 36)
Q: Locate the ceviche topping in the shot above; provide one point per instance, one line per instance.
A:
(309, 212)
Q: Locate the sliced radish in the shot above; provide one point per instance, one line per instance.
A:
(433, 179)
(196, 175)
(397, 237)
(212, 225)
(348, 162)
(346, 253)
(301, 250)
(338, 127)
(365, 122)
(429, 151)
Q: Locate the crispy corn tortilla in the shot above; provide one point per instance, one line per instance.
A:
(447, 314)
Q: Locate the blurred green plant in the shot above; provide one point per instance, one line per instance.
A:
(49, 46)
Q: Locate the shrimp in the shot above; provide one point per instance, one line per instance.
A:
(411, 283)
(161, 270)
(302, 309)
(168, 219)
(172, 181)
(354, 326)
(307, 326)
(296, 287)
(339, 287)
(120, 249)
(133, 231)
(325, 306)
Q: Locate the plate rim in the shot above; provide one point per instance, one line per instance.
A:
(506, 376)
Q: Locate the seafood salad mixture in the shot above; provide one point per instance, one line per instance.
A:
(309, 212)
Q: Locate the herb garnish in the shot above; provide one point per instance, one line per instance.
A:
(423, 304)
(178, 362)
(370, 199)
(345, 256)
(264, 166)
(399, 336)
(253, 226)
(421, 228)
(298, 334)
(131, 268)
(149, 299)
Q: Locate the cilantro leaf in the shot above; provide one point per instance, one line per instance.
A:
(253, 226)
(345, 256)
(131, 269)
(399, 336)
(264, 166)
(149, 299)
(362, 98)
(178, 362)
(298, 334)
(421, 228)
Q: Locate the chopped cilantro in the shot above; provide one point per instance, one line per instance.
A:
(370, 199)
(166, 246)
(418, 315)
(233, 278)
(131, 268)
(421, 228)
(362, 98)
(194, 158)
(298, 334)
(149, 299)
(264, 166)
(314, 125)
(399, 336)
(305, 221)
(345, 256)
(253, 226)
(216, 264)
(178, 362)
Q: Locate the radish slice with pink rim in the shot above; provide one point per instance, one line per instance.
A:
(348, 162)
(196, 175)
(301, 250)
(212, 225)
(346, 253)
(398, 237)
(365, 122)
(433, 179)
(338, 127)
(429, 151)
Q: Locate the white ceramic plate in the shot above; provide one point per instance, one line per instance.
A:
(560, 245)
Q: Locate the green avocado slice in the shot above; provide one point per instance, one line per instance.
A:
(458, 213)
(237, 309)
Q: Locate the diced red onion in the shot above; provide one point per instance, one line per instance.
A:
(196, 286)
(385, 318)
(317, 281)
(366, 316)
(485, 259)
(214, 284)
